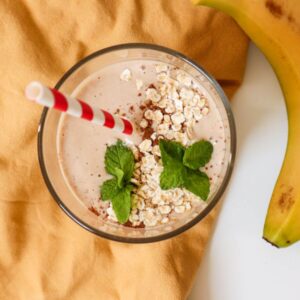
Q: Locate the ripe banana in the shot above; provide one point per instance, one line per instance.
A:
(274, 26)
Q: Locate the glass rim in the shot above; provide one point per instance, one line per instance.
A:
(220, 190)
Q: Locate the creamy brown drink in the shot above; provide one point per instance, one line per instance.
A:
(163, 102)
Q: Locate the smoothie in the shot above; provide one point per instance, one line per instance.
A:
(163, 102)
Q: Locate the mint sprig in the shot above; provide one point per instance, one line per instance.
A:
(181, 166)
(119, 162)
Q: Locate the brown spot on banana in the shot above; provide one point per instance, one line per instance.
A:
(274, 8)
(278, 11)
(286, 199)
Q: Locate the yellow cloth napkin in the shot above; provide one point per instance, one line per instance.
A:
(43, 254)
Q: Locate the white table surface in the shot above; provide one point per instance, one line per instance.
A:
(238, 264)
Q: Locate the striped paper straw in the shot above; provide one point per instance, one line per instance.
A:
(55, 99)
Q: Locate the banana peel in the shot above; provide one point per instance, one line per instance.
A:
(274, 26)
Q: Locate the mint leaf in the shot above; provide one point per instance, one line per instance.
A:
(197, 182)
(109, 189)
(119, 161)
(121, 204)
(171, 177)
(198, 155)
(172, 155)
(171, 152)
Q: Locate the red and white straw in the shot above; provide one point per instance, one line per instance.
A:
(55, 99)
